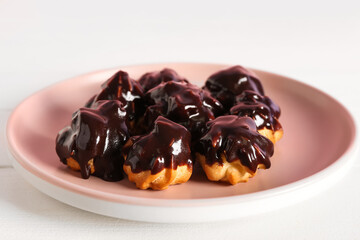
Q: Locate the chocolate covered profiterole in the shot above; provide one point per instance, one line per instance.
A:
(125, 89)
(264, 112)
(93, 142)
(183, 103)
(152, 79)
(160, 158)
(232, 150)
(226, 84)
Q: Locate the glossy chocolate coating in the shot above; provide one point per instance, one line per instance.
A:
(237, 139)
(90, 102)
(128, 91)
(97, 134)
(166, 146)
(260, 108)
(183, 103)
(252, 96)
(226, 84)
(152, 79)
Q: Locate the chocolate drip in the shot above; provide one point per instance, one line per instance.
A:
(97, 134)
(152, 79)
(183, 103)
(166, 146)
(260, 108)
(225, 85)
(237, 139)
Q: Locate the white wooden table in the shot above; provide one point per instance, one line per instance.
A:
(43, 42)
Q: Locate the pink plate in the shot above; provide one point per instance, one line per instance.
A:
(316, 150)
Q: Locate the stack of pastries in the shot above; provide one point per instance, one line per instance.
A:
(153, 130)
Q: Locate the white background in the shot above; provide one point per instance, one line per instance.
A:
(43, 42)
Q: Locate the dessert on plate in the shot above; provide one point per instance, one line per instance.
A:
(154, 128)
(232, 149)
(92, 143)
(126, 90)
(226, 84)
(160, 158)
(264, 112)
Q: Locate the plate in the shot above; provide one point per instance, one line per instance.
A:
(316, 150)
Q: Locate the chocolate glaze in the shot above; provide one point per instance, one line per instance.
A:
(236, 138)
(123, 88)
(97, 134)
(90, 102)
(226, 84)
(260, 108)
(152, 79)
(166, 146)
(183, 103)
(252, 96)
